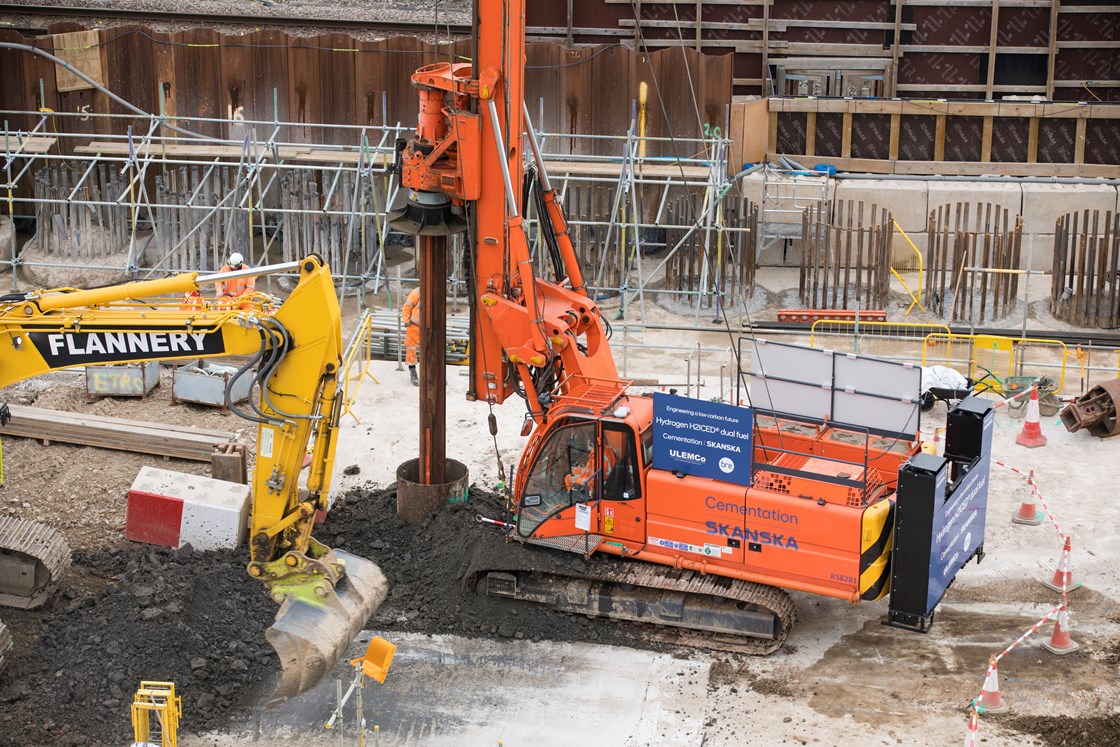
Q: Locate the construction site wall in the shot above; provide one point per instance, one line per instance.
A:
(334, 79)
(986, 49)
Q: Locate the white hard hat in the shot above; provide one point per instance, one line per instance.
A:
(235, 259)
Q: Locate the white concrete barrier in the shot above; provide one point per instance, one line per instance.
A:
(172, 508)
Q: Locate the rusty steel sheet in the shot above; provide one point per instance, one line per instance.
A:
(1085, 287)
(126, 57)
(337, 84)
(194, 86)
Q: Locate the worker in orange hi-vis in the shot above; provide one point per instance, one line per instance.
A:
(235, 287)
(410, 319)
(585, 474)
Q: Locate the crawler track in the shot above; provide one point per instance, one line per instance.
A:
(5, 645)
(34, 558)
(675, 606)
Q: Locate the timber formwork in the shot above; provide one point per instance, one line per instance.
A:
(983, 49)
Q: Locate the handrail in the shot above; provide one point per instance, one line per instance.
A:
(921, 269)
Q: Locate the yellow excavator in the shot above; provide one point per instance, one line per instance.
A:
(295, 353)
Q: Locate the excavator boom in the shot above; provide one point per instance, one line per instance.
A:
(295, 351)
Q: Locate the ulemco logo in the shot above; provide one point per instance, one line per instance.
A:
(726, 465)
(687, 456)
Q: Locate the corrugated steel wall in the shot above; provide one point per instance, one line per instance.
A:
(334, 78)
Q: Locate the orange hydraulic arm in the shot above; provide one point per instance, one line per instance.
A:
(466, 160)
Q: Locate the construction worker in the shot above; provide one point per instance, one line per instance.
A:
(410, 320)
(231, 289)
(585, 474)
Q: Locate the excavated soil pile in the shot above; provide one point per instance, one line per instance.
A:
(430, 566)
(1063, 731)
(197, 619)
(194, 618)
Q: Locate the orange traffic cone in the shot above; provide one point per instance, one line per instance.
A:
(990, 700)
(1063, 576)
(972, 738)
(1028, 512)
(1031, 435)
(1060, 642)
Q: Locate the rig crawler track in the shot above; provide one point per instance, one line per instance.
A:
(207, 20)
(684, 607)
(5, 645)
(34, 558)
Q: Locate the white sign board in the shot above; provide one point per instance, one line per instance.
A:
(844, 388)
(583, 517)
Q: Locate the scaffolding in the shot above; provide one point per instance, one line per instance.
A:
(163, 199)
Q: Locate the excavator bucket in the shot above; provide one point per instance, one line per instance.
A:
(309, 638)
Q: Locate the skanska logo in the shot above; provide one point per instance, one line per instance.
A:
(687, 456)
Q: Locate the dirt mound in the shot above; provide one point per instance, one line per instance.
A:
(429, 568)
(197, 619)
(1064, 730)
(192, 618)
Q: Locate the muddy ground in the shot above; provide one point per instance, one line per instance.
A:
(76, 664)
(197, 619)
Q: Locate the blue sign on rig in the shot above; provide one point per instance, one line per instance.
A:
(705, 439)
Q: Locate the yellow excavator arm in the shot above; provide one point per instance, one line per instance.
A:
(295, 351)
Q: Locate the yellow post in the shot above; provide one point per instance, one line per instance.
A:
(921, 269)
(643, 94)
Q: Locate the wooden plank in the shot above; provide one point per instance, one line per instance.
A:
(82, 51)
(1079, 142)
(986, 140)
(114, 433)
(846, 136)
(992, 41)
(1032, 140)
(896, 51)
(939, 138)
(810, 133)
(964, 168)
(892, 148)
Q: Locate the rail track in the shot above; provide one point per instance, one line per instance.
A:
(63, 12)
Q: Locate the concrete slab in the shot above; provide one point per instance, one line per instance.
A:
(1043, 204)
(513, 692)
(1008, 195)
(907, 200)
(1038, 252)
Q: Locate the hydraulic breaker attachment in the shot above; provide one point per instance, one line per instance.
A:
(325, 604)
(1096, 411)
